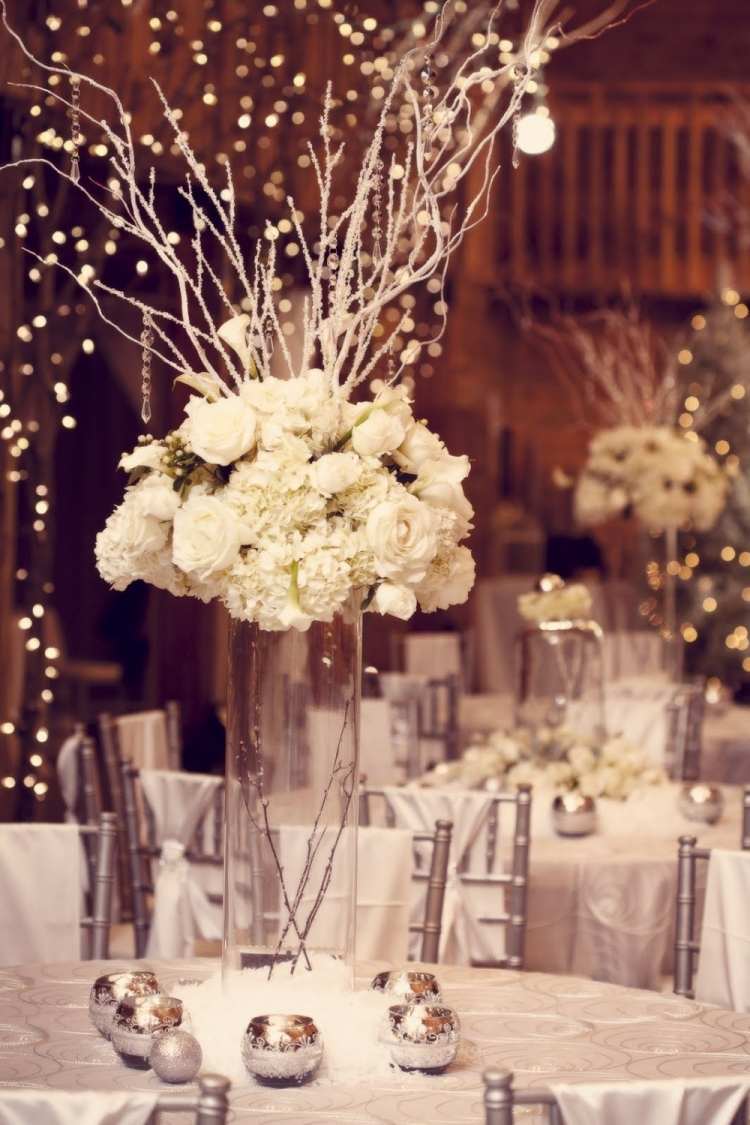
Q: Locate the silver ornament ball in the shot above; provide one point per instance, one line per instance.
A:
(176, 1056)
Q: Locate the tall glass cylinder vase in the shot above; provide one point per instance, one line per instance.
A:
(560, 676)
(291, 794)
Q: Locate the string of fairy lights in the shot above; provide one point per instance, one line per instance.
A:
(686, 567)
(243, 81)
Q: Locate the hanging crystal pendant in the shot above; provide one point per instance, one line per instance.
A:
(75, 128)
(147, 339)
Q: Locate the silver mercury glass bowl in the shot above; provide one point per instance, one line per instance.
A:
(422, 1036)
(281, 1049)
(701, 803)
(409, 986)
(573, 814)
(137, 1020)
(107, 992)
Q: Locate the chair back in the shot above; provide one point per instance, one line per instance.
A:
(96, 926)
(114, 798)
(686, 947)
(685, 732)
(210, 1105)
(138, 858)
(500, 1099)
(432, 924)
(437, 713)
(745, 841)
(173, 713)
(515, 916)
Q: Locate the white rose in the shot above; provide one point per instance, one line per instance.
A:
(220, 432)
(379, 433)
(143, 457)
(134, 532)
(439, 483)
(419, 445)
(399, 601)
(206, 536)
(155, 496)
(448, 581)
(403, 538)
(335, 471)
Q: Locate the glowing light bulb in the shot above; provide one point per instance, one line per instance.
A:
(536, 133)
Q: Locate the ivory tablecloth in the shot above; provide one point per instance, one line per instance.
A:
(546, 1029)
(602, 905)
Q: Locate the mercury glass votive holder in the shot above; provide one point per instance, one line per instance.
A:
(701, 803)
(281, 1049)
(409, 986)
(107, 992)
(422, 1036)
(573, 814)
(137, 1020)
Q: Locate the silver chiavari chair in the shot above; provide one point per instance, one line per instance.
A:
(437, 713)
(500, 1098)
(685, 945)
(745, 841)
(432, 924)
(101, 867)
(143, 848)
(210, 1105)
(516, 880)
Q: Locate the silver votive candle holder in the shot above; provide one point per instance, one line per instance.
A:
(701, 803)
(573, 814)
(137, 1020)
(281, 1049)
(409, 986)
(422, 1036)
(107, 992)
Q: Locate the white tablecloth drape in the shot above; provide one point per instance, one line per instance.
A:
(182, 910)
(143, 739)
(42, 870)
(384, 867)
(651, 1103)
(724, 965)
(67, 774)
(76, 1107)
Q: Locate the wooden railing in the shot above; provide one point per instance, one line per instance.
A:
(642, 190)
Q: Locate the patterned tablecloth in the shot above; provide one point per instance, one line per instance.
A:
(545, 1028)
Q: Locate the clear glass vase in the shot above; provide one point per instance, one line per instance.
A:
(560, 676)
(292, 794)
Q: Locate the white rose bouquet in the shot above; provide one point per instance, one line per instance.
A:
(285, 498)
(664, 478)
(551, 758)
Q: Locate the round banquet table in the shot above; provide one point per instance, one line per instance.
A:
(544, 1028)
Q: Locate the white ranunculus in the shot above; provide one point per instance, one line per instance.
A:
(143, 457)
(127, 541)
(379, 433)
(403, 538)
(448, 581)
(335, 471)
(398, 601)
(155, 496)
(220, 432)
(419, 445)
(206, 536)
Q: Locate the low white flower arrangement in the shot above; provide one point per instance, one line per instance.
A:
(551, 758)
(665, 479)
(285, 498)
(561, 602)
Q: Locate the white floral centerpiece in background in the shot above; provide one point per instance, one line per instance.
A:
(558, 759)
(555, 600)
(664, 478)
(284, 499)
